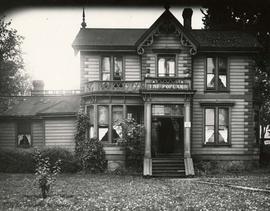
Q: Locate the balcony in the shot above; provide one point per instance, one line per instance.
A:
(164, 84)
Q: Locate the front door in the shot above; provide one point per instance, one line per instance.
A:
(167, 132)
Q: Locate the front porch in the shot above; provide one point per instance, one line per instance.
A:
(168, 134)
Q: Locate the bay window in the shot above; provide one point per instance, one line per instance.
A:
(117, 114)
(103, 123)
(91, 117)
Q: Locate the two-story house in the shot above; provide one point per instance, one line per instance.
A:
(192, 90)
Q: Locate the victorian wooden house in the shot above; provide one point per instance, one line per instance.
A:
(192, 90)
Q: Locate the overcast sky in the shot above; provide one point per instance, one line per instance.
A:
(49, 33)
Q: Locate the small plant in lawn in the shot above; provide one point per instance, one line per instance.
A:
(45, 172)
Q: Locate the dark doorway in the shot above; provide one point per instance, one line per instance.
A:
(167, 135)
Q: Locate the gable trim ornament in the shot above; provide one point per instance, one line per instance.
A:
(170, 29)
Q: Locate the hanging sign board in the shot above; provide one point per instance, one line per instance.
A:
(187, 124)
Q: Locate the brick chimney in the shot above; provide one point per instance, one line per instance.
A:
(187, 14)
(38, 87)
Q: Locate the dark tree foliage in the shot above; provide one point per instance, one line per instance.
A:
(13, 78)
(253, 17)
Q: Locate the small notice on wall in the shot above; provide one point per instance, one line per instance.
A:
(187, 124)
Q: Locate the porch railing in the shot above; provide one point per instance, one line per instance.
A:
(149, 84)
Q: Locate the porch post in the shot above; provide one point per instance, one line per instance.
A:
(95, 132)
(147, 165)
(187, 125)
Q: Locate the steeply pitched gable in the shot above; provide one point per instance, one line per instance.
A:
(167, 24)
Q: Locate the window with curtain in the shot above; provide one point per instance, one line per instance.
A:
(118, 68)
(216, 74)
(103, 123)
(117, 114)
(216, 125)
(105, 68)
(91, 117)
(24, 134)
(166, 66)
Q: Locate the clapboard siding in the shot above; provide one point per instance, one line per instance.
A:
(60, 132)
(38, 133)
(7, 134)
(240, 141)
(132, 68)
(239, 76)
(90, 68)
(166, 42)
(115, 153)
(198, 74)
(241, 114)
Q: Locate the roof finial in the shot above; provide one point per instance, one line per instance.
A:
(167, 6)
(83, 24)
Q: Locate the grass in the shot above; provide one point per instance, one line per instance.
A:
(111, 192)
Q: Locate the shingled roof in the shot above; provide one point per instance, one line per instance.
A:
(108, 37)
(225, 39)
(40, 105)
(99, 38)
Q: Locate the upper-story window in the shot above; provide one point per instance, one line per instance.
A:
(216, 74)
(106, 68)
(166, 66)
(111, 68)
(118, 68)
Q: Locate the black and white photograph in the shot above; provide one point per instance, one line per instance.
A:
(134, 105)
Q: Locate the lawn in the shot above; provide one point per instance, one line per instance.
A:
(111, 192)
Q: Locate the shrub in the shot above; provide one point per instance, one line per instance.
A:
(16, 161)
(82, 126)
(90, 152)
(213, 167)
(131, 138)
(21, 160)
(93, 156)
(69, 164)
(45, 172)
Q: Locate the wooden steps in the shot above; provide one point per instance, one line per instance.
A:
(168, 165)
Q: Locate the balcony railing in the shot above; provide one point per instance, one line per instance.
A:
(149, 84)
(113, 86)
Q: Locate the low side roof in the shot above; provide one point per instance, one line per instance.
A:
(40, 105)
(99, 38)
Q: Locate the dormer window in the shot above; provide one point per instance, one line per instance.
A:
(166, 66)
(111, 68)
(216, 74)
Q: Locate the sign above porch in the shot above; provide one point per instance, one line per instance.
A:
(167, 25)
